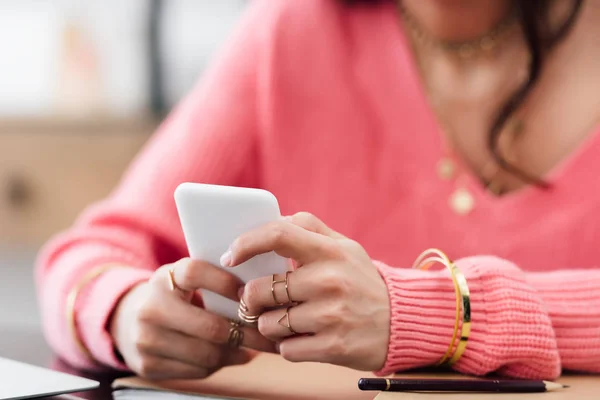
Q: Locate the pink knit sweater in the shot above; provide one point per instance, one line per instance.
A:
(321, 105)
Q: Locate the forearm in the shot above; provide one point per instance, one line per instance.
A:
(61, 269)
(572, 300)
(136, 227)
(209, 138)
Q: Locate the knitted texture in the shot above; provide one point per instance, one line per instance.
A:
(321, 105)
(511, 329)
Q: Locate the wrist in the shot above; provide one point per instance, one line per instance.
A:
(422, 316)
(80, 289)
(93, 306)
(123, 313)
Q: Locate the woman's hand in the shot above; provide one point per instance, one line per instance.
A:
(161, 334)
(342, 314)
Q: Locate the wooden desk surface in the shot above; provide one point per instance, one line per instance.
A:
(26, 344)
(268, 377)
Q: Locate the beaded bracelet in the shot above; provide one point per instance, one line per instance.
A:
(425, 261)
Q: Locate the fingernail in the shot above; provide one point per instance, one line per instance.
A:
(240, 292)
(226, 259)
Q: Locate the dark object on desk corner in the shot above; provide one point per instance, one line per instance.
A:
(458, 385)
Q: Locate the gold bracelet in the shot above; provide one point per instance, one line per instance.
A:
(72, 299)
(466, 323)
(425, 261)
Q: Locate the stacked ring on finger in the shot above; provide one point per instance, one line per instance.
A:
(172, 285)
(236, 335)
(285, 281)
(288, 323)
(245, 316)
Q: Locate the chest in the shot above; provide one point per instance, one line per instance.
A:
(557, 119)
(362, 155)
(386, 193)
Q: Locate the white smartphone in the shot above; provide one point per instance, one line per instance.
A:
(212, 217)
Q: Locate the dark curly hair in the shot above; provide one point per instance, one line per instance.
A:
(540, 39)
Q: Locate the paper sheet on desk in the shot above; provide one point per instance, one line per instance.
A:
(269, 377)
(150, 394)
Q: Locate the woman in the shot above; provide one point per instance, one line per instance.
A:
(470, 126)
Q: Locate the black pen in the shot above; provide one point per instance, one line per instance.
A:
(457, 385)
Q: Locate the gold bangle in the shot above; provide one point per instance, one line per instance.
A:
(466, 323)
(71, 302)
(425, 261)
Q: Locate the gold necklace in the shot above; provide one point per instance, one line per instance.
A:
(461, 200)
(451, 165)
(467, 49)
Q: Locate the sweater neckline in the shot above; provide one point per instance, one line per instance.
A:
(565, 170)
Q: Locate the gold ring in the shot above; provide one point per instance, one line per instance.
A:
(288, 323)
(287, 291)
(274, 281)
(172, 284)
(236, 335)
(243, 314)
(243, 306)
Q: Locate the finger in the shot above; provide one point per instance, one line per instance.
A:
(311, 223)
(177, 346)
(158, 368)
(285, 239)
(190, 275)
(309, 283)
(275, 290)
(279, 324)
(318, 348)
(174, 314)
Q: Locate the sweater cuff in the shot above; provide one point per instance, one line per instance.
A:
(422, 317)
(95, 305)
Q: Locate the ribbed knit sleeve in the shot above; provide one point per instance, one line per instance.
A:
(523, 325)
(209, 138)
(572, 300)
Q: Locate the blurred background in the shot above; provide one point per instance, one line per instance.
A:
(83, 84)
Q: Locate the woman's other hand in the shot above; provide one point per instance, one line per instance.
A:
(340, 311)
(162, 334)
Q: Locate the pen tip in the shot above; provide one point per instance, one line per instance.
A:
(566, 386)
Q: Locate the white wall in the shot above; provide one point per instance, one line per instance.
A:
(32, 41)
(193, 31)
(28, 63)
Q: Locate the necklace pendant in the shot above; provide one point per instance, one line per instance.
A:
(494, 188)
(516, 127)
(462, 201)
(487, 43)
(466, 51)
